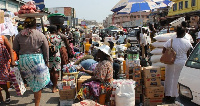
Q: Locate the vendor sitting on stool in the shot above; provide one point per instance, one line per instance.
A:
(102, 77)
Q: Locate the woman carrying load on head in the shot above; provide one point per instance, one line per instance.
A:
(33, 50)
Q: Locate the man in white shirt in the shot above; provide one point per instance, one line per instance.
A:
(187, 35)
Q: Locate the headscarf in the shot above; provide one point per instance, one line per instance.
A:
(28, 23)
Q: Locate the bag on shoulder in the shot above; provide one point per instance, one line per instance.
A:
(52, 48)
(169, 56)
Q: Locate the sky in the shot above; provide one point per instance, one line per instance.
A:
(85, 9)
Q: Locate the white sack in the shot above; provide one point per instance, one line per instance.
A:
(165, 37)
(125, 94)
(155, 58)
(159, 64)
(157, 51)
(158, 44)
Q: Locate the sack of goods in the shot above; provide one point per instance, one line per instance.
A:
(159, 44)
(154, 91)
(124, 91)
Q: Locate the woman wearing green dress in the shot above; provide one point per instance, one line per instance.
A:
(54, 55)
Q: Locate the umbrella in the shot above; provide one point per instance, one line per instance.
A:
(138, 5)
(120, 5)
(163, 3)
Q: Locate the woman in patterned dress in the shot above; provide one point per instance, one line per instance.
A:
(54, 57)
(32, 47)
(5, 54)
(103, 73)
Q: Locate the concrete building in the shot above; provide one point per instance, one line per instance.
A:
(108, 21)
(89, 22)
(133, 19)
(69, 12)
(11, 5)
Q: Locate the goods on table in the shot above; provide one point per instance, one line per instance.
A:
(69, 68)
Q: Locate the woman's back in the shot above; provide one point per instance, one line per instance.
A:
(29, 44)
(181, 47)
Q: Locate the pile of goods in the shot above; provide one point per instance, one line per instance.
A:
(29, 7)
(153, 90)
(67, 90)
(69, 68)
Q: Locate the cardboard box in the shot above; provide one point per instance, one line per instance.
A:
(151, 82)
(137, 76)
(137, 98)
(67, 94)
(66, 102)
(137, 82)
(137, 69)
(151, 72)
(1, 16)
(152, 101)
(154, 92)
(138, 89)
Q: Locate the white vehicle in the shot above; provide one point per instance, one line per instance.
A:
(189, 80)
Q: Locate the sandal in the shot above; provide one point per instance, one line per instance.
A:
(7, 100)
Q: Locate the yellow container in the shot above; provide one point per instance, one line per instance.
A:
(87, 47)
(162, 71)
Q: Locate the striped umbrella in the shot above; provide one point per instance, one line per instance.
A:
(138, 5)
(120, 5)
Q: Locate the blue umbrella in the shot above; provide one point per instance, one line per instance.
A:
(138, 5)
(163, 3)
(120, 5)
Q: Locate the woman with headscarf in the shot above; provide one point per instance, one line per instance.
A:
(33, 50)
(5, 54)
(181, 46)
(102, 74)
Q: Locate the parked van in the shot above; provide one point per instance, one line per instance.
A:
(189, 79)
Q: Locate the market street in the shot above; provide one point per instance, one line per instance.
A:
(47, 99)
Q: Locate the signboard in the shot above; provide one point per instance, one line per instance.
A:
(40, 4)
(83, 23)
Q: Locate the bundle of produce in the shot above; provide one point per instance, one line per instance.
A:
(29, 7)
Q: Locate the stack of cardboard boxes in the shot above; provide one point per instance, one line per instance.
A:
(153, 90)
(138, 80)
(67, 91)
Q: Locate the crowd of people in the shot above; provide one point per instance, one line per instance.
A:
(41, 57)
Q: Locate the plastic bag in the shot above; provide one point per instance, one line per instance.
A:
(125, 93)
(157, 51)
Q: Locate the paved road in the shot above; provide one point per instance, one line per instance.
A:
(48, 98)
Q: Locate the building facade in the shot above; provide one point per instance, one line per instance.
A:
(11, 5)
(108, 21)
(184, 6)
(132, 18)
